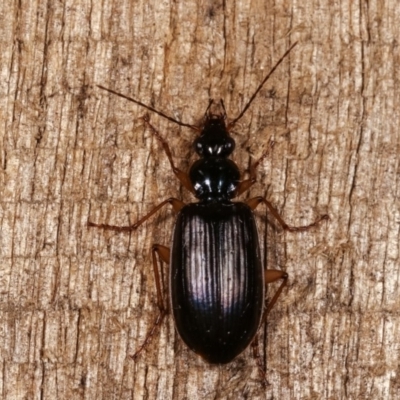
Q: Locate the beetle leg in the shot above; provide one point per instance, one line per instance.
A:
(260, 366)
(163, 255)
(247, 183)
(255, 201)
(272, 275)
(176, 204)
(182, 176)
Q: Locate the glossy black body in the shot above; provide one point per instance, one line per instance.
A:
(217, 285)
(216, 276)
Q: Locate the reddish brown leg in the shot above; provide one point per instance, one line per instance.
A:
(260, 365)
(182, 176)
(246, 184)
(163, 255)
(272, 275)
(254, 202)
(176, 204)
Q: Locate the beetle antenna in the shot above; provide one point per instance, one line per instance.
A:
(148, 107)
(210, 102)
(223, 107)
(231, 124)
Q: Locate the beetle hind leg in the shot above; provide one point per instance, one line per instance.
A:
(261, 367)
(163, 254)
(271, 275)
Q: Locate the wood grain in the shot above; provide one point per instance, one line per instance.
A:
(76, 302)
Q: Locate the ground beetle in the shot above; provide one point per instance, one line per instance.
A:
(217, 281)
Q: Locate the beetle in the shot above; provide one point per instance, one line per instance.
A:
(216, 277)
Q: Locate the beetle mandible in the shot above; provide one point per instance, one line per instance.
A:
(216, 278)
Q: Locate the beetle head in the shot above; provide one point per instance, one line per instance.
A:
(214, 139)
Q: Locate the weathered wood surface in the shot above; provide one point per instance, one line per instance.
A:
(75, 302)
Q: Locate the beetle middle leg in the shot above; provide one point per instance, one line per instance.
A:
(176, 204)
(163, 255)
(255, 201)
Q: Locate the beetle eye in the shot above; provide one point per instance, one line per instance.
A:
(198, 146)
(217, 145)
(229, 146)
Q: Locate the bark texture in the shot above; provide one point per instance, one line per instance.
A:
(76, 302)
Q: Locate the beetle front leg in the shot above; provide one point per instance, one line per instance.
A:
(163, 255)
(247, 183)
(182, 176)
(176, 204)
(254, 202)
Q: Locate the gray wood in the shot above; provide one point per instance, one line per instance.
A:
(76, 302)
